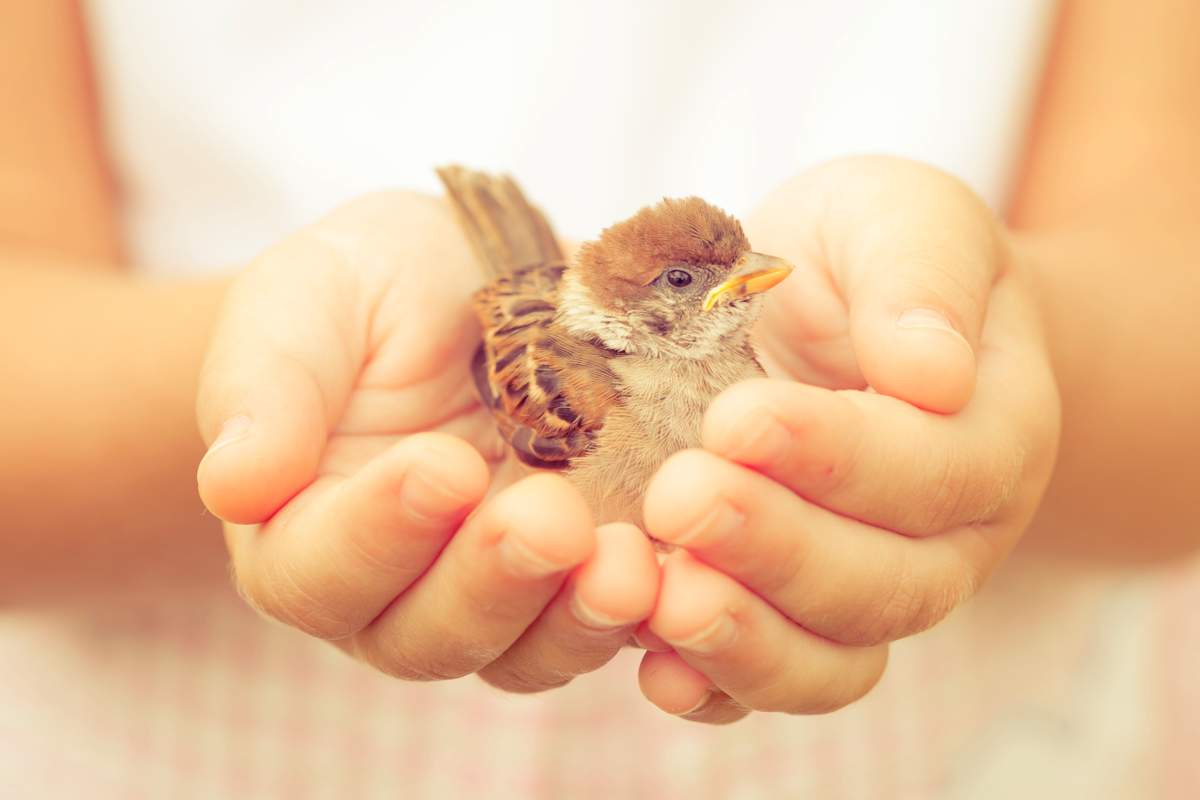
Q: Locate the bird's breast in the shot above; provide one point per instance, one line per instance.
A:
(666, 398)
(662, 405)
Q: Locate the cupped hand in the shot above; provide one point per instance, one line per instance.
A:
(350, 460)
(891, 463)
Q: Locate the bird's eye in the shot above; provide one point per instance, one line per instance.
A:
(679, 278)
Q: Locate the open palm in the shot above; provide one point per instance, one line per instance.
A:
(867, 494)
(350, 459)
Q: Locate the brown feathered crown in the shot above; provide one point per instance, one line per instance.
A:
(631, 254)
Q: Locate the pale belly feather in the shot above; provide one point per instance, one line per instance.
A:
(664, 405)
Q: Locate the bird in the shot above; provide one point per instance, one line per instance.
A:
(602, 366)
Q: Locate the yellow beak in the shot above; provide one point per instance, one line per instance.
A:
(752, 273)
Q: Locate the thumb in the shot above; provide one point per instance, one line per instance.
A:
(278, 371)
(914, 253)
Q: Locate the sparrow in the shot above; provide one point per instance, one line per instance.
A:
(603, 366)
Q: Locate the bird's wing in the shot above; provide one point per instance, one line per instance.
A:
(549, 393)
(507, 232)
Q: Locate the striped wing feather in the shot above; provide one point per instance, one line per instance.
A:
(549, 392)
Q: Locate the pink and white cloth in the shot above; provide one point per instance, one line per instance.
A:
(1053, 682)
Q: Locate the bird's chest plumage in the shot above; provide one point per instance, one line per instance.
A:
(662, 405)
(675, 283)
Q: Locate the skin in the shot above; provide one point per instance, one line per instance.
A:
(824, 521)
(355, 458)
(1057, 293)
(100, 370)
(344, 413)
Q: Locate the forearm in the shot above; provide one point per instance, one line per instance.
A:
(98, 435)
(1107, 216)
(1125, 341)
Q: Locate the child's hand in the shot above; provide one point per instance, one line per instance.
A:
(821, 522)
(348, 448)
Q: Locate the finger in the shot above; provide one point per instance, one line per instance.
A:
(670, 683)
(277, 373)
(590, 619)
(491, 582)
(914, 253)
(803, 332)
(646, 639)
(844, 580)
(750, 651)
(331, 565)
(876, 458)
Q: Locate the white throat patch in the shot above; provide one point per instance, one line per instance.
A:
(702, 338)
(579, 313)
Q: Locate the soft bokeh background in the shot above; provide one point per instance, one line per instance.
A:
(255, 118)
(229, 124)
(1029, 691)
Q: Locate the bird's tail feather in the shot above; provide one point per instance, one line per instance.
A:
(505, 229)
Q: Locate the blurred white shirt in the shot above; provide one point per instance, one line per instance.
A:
(234, 122)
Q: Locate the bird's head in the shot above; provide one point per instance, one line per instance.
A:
(676, 279)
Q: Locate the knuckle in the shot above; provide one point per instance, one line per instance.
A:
(845, 461)
(247, 588)
(401, 656)
(938, 281)
(1001, 484)
(972, 488)
(522, 679)
(549, 661)
(773, 689)
(829, 461)
(827, 467)
(842, 687)
(928, 607)
(954, 493)
(911, 603)
(383, 555)
(279, 593)
(719, 710)
(905, 173)
(583, 651)
(821, 699)
(888, 614)
(491, 602)
(775, 685)
(827, 472)
(780, 574)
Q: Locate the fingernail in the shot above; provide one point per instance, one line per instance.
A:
(592, 618)
(235, 429)
(427, 497)
(703, 702)
(927, 319)
(524, 562)
(717, 635)
(648, 641)
(761, 438)
(720, 523)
